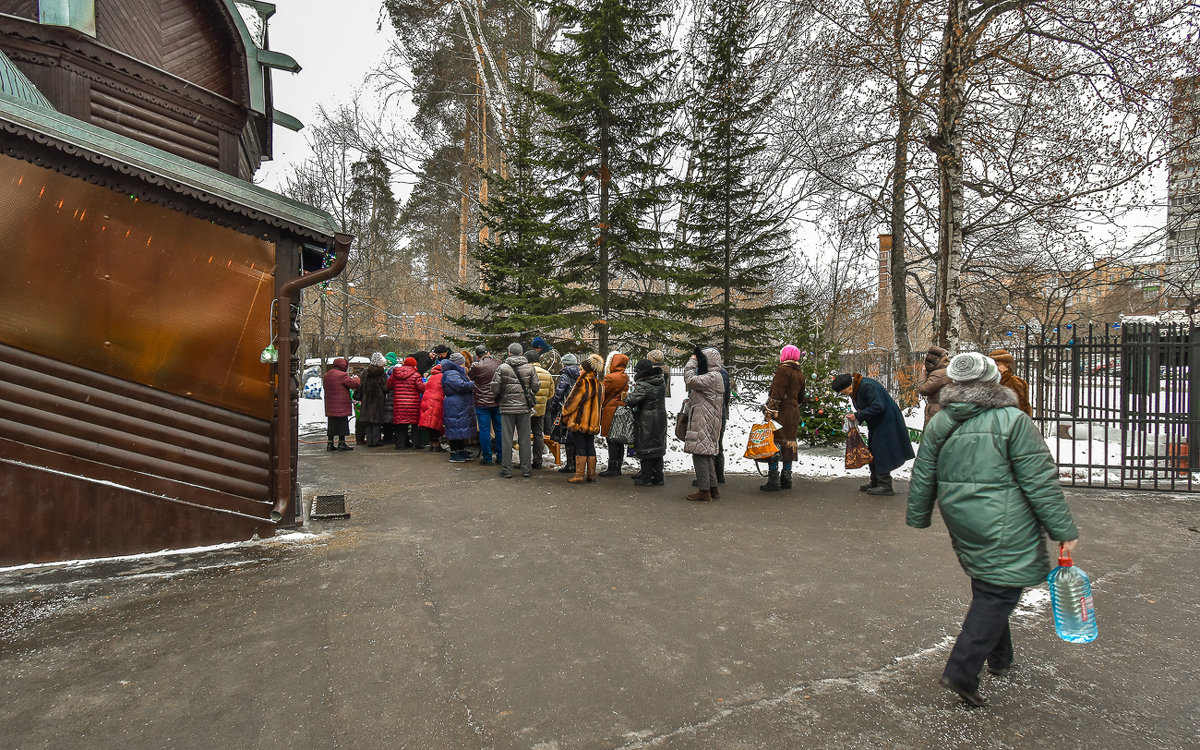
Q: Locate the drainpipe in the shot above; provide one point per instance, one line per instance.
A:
(283, 392)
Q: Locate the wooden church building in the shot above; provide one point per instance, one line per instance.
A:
(143, 278)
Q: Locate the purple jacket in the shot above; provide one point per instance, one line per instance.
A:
(337, 384)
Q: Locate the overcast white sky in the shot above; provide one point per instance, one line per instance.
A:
(336, 43)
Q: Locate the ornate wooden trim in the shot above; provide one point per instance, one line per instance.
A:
(98, 169)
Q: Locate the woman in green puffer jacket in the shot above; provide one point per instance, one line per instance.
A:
(985, 463)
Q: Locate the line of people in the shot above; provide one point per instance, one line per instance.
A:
(538, 400)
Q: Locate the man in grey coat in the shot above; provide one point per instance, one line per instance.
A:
(515, 386)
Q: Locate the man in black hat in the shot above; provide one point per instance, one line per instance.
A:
(887, 435)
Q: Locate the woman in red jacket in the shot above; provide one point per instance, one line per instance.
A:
(406, 386)
(431, 411)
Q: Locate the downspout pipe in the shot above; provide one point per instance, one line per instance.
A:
(283, 373)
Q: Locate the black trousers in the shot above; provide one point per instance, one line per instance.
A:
(985, 635)
(880, 478)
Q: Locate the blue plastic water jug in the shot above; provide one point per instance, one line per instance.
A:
(1071, 597)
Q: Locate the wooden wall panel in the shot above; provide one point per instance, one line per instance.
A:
(131, 26)
(51, 515)
(197, 47)
(21, 8)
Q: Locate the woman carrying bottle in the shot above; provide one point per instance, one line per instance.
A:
(988, 468)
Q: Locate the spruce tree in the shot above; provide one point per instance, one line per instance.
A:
(608, 145)
(736, 237)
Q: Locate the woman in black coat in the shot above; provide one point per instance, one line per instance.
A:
(648, 399)
(373, 395)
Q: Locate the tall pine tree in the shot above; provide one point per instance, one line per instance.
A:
(609, 140)
(735, 235)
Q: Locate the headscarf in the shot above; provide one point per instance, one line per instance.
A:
(972, 367)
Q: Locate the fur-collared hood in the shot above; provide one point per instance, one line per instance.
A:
(987, 395)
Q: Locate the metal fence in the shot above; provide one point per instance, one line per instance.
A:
(881, 365)
(1118, 403)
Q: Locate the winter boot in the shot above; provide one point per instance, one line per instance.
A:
(568, 466)
(772, 484)
(868, 487)
(657, 481)
(700, 496)
(785, 479)
(719, 464)
(715, 493)
(330, 446)
(343, 447)
(884, 488)
(591, 468)
(614, 464)
(581, 468)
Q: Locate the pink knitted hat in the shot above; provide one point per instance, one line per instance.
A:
(789, 352)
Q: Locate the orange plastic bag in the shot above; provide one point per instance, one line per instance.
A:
(761, 445)
(858, 454)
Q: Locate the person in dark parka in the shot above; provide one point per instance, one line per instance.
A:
(373, 395)
(562, 387)
(458, 406)
(648, 400)
(887, 434)
(424, 362)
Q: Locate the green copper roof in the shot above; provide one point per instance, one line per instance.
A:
(211, 186)
(14, 83)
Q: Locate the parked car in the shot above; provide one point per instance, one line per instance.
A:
(1106, 366)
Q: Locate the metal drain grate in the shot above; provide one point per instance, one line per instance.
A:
(329, 506)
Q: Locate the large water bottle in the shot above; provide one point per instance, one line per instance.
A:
(1071, 596)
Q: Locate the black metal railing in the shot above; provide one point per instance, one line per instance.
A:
(1118, 403)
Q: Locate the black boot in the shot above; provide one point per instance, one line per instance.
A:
(785, 479)
(330, 446)
(884, 488)
(658, 480)
(772, 484)
(615, 459)
(568, 466)
(343, 447)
